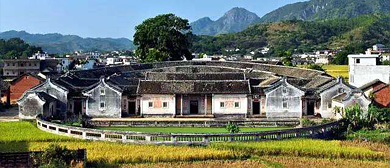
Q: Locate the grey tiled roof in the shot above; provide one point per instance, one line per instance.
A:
(193, 87)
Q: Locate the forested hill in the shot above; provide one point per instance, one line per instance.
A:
(57, 43)
(300, 36)
(327, 9)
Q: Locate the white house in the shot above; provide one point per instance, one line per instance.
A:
(364, 69)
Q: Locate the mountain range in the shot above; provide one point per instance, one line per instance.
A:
(302, 36)
(58, 43)
(235, 20)
(238, 19)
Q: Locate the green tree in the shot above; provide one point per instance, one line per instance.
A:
(386, 62)
(16, 48)
(162, 38)
(316, 67)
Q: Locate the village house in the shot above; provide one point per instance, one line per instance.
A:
(327, 94)
(202, 89)
(324, 59)
(365, 68)
(348, 99)
(379, 92)
(20, 85)
(16, 67)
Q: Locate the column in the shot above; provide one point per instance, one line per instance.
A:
(181, 105)
(205, 104)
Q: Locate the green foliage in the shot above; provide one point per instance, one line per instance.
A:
(308, 123)
(55, 156)
(347, 35)
(16, 48)
(378, 135)
(341, 58)
(356, 116)
(162, 38)
(386, 62)
(316, 67)
(361, 119)
(325, 10)
(232, 128)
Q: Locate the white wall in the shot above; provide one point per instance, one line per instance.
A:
(157, 108)
(360, 75)
(229, 104)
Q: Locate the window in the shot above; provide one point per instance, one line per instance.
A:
(330, 105)
(102, 92)
(237, 104)
(150, 104)
(222, 104)
(358, 61)
(165, 104)
(102, 105)
(284, 90)
(285, 103)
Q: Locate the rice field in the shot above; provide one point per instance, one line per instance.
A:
(24, 136)
(270, 161)
(303, 147)
(337, 70)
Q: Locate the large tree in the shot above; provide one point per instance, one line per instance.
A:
(16, 48)
(163, 38)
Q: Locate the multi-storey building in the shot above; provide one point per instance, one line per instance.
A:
(16, 67)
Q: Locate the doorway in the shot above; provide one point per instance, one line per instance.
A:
(131, 108)
(194, 109)
(77, 107)
(310, 107)
(256, 108)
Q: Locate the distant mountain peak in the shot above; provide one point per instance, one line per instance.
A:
(234, 20)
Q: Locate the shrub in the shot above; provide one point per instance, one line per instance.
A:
(55, 156)
(232, 128)
(361, 119)
(308, 123)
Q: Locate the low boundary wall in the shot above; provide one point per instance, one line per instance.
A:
(320, 131)
(196, 123)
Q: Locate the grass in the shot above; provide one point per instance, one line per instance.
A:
(377, 135)
(24, 136)
(27, 132)
(186, 129)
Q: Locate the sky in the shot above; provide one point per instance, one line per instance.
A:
(113, 18)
